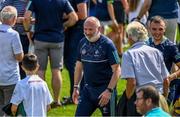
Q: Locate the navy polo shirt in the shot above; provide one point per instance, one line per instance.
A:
(102, 10)
(169, 50)
(49, 19)
(97, 58)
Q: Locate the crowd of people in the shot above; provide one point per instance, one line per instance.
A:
(87, 37)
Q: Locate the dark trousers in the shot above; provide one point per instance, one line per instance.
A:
(126, 107)
(88, 102)
(73, 36)
(25, 45)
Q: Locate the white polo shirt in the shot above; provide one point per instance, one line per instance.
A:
(34, 94)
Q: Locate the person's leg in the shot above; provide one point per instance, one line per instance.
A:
(56, 84)
(56, 62)
(5, 96)
(25, 45)
(171, 29)
(73, 36)
(1, 100)
(42, 55)
(85, 106)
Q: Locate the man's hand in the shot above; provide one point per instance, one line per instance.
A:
(104, 98)
(75, 95)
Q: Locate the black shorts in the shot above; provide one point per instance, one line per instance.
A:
(119, 12)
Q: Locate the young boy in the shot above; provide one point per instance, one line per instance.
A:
(32, 90)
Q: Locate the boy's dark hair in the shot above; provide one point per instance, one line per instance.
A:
(30, 62)
(150, 92)
(157, 19)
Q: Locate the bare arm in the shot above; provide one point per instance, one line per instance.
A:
(14, 109)
(82, 11)
(27, 20)
(146, 6)
(72, 18)
(130, 87)
(125, 6)
(165, 87)
(176, 74)
(106, 95)
(111, 11)
(19, 57)
(77, 79)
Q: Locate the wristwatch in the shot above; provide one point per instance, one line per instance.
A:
(110, 90)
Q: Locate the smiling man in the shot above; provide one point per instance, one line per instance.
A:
(98, 60)
(168, 48)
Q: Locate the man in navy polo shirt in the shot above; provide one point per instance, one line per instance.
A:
(168, 48)
(49, 37)
(167, 9)
(72, 37)
(98, 60)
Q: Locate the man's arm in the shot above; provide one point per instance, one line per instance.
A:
(106, 95)
(166, 87)
(27, 20)
(82, 11)
(112, 15)
(77, 79)
(176, 74)
(14, 109)
(146, 6)
(72, 18)
(130, 87)
(19, 57)
(125, 6)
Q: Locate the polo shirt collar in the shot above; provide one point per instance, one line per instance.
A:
(4, 27)
(164, 38)
(138, 43)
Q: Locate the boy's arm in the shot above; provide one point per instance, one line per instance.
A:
(14, 109)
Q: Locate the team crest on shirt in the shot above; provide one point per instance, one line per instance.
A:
(83, 51)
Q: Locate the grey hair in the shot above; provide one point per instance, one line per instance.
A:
(94, 20)
(7, 13)
(137, 31)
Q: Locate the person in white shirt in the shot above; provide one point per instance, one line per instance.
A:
(32, 91)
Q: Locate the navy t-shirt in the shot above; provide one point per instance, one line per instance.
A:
(169, 50)
(49, 19)
(167, 9)
(97, 58)
(102, 10)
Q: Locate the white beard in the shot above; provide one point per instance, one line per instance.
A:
(94, 38)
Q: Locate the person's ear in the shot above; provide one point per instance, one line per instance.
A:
(148, 101)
